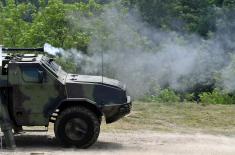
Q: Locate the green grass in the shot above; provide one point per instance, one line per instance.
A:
(178, 117)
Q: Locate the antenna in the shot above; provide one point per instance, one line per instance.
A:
(1, 141)
(102, 61)
(1, 46)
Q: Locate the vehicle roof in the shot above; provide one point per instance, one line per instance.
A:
(27, 58)
(40, 59)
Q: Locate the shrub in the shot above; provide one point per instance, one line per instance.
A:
(216, 97)
(188, 97)
(164, 96)
(168, 95)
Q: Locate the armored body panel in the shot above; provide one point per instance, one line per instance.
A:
(34, 90)
(38, 91)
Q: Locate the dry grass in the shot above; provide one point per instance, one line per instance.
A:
(152, 128)
(178, 117)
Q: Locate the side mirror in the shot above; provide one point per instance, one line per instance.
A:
(40, 76)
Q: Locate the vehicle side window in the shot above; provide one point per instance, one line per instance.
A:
(30, 74)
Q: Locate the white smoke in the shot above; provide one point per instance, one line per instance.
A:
(144, 57)
(228, 76)
(52, 50)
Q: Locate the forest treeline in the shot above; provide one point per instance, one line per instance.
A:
(31, 23)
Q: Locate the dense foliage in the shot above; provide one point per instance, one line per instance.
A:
(26, 23)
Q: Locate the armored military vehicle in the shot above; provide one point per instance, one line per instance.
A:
(35, 91)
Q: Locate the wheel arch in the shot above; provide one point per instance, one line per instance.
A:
(80, 102)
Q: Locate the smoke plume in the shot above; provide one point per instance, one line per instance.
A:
(53, 50)
(144, 57)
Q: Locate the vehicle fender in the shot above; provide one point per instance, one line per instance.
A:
(80, 101)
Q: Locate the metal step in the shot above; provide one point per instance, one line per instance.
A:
(28, 129)
(35, 130)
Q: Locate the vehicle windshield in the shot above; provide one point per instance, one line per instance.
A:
(52, 65)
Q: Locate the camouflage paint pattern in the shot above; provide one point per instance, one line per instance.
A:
(36, 90)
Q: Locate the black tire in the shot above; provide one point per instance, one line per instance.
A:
(77, 126)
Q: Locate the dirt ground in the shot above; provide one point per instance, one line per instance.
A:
(139, 142)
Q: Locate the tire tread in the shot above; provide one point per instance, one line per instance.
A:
(83, 110)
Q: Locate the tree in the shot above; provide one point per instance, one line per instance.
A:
(193, 16)
(13, 27)
(52, 24)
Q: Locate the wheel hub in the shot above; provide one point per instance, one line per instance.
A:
(76, 129)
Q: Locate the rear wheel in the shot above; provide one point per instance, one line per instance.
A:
(77, 126)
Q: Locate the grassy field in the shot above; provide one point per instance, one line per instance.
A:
(178, 117)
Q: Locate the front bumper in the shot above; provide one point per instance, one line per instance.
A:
(115, 112)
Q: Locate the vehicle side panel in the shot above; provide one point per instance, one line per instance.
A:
(33, 101)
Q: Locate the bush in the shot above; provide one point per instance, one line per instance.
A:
(216, 97)
(163, 96)
(188, 97)
(168, 95)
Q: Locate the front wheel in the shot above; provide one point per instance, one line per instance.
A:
(77, 126)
